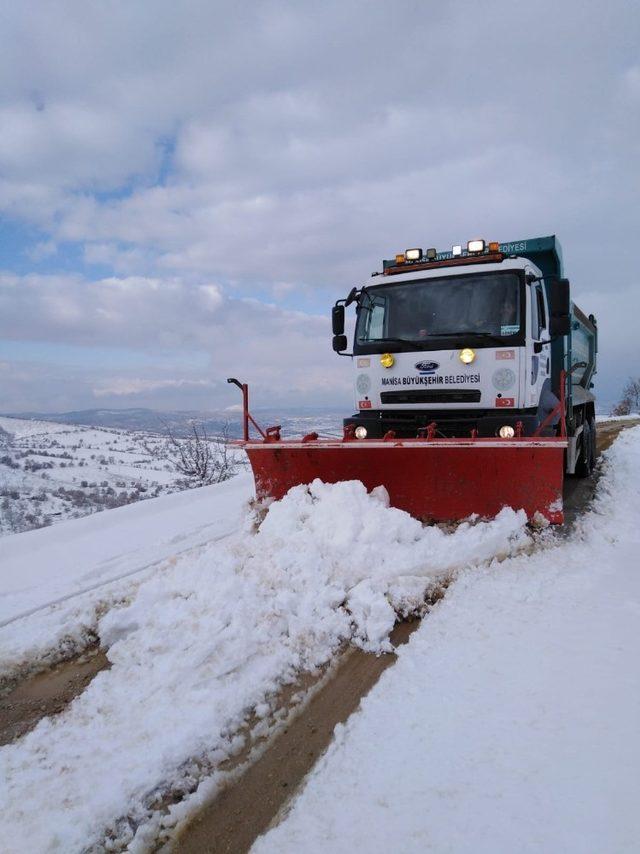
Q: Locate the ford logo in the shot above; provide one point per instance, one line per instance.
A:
(427, 367)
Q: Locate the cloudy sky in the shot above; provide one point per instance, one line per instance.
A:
(185, 188)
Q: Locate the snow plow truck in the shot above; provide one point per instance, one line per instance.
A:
(473, 372)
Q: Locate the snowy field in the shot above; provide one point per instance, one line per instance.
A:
(50, 472)
(508, 723)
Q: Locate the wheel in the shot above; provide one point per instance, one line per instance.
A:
(592, 428)
(587, 458)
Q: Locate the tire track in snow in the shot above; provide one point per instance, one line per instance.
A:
(113, 579)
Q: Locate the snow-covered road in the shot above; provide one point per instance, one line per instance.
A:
(208, 639)
(490, 721)
(511, 720)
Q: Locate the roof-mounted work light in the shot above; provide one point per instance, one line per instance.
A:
(474, 247)
(431, 254)
(413, 254)
(456, 251)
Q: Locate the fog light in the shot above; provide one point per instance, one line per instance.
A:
(506, 432)
(387, 360)
(467, 355)
(361, 432)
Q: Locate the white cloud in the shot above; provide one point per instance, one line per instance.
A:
(284, 354)
(202, 151)
(121, 387)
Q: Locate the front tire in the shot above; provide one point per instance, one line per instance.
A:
(587, 459)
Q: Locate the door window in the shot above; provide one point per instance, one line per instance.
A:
(542, 318)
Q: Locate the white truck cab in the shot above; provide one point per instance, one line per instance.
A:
(462, 339)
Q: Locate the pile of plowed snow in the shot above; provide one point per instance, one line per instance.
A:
(208, 640)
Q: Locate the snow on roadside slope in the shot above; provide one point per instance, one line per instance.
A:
(206, 641)
(510, 721)
(54, 580)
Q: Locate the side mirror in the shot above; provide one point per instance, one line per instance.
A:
(337, 320)
(559, 308)
(339, 342)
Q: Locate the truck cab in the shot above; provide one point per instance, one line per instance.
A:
(475, 340)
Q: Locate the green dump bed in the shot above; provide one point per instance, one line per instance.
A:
(581, 345)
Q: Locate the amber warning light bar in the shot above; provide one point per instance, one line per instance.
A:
(477, 251)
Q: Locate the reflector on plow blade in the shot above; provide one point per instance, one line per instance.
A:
(432, 479)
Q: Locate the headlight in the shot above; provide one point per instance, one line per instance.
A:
(361, 432)
(506, 432)
(467, 355)
(387, 360)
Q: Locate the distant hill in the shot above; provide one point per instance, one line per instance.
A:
(215, 423)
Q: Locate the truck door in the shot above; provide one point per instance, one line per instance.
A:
(540, 354)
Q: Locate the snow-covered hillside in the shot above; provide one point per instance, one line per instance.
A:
(50, 472)
(489, 719)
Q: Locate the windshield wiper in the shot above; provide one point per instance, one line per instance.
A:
(459, 334)
(390, 341)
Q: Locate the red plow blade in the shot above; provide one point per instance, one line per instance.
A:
(432, 479)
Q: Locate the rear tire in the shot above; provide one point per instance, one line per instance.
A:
(587, 459)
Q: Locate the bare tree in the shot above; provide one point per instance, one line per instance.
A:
(630, 400)
(201, 460)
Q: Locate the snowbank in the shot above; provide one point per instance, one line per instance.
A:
(510, 722)
(55, 580)
(210, 637)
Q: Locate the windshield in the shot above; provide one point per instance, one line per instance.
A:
(485, 304)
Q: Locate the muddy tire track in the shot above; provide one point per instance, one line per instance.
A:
(245, 809)
(47, 693)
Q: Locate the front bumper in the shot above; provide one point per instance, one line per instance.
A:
(449, 424)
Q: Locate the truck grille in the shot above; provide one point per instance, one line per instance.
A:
(439, 396)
